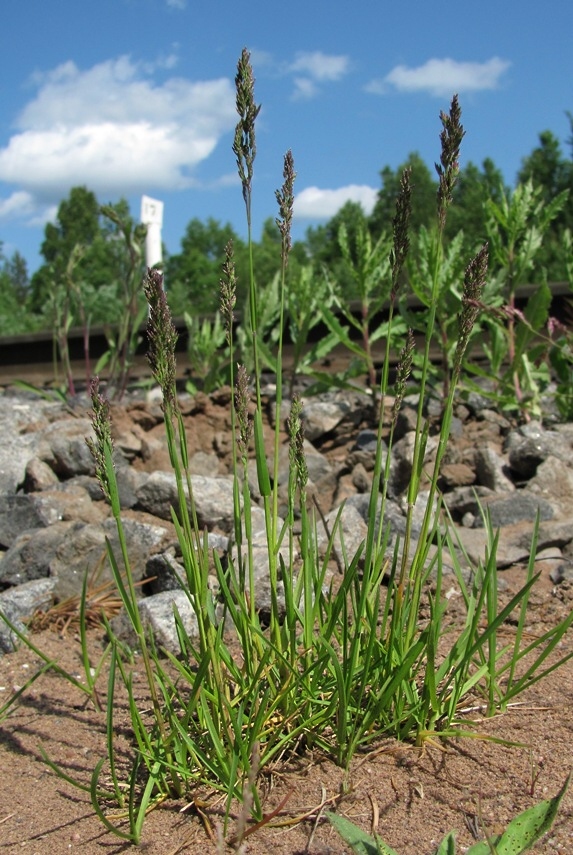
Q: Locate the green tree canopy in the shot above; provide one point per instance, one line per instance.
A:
(552, 172)
(80, 230)
(193, 275)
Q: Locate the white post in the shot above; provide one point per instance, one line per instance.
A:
(152, 217)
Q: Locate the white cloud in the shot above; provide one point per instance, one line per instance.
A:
(320, 66)
(176, 4)
(314, 67)
(304, 89)
(19, 204)
(114, 129)
(443, 77)
(313, 203)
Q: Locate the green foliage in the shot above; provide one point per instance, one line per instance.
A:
(447, 294)
(424, 189)
(308, 295)
(519, 836)
(14, 286)
(516, 228)
(192, 276)
(367, 266)
(208, 354)
(123, 338)
(551, 174)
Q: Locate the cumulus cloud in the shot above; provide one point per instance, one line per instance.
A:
(320, 66)
(18, 204)
(314, 67)
(314, 203)
(114, 129)
(442, 77)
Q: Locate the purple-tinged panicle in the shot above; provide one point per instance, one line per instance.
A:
(244, 144)
(295, 429)
(228, 291)
(449, 167)
(400, 226)
(474, 283)
(101, 423)
(285, 199)
(162, 338)
(403, 372)
(244, 423)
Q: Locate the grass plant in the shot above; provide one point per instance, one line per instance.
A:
(340, 661)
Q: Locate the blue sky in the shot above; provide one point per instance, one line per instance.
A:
(137, 96)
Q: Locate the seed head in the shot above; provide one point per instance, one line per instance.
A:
(244, 145)
(162, 338)
(403, 372)
(244, 422)
(101, 423)
(295, 428)
(474, 282)
(449, 167)
(400, 224)
(228, 290)
(285, 199)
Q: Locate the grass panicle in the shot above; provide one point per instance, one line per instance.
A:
(449, 166)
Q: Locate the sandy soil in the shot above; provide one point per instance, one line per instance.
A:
(413, 797)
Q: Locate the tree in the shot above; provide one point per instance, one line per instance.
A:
(324, 249)
(468, 212)
(14, 285)
(193, 275)
(81, 232)
(424, 190)
(550, 171)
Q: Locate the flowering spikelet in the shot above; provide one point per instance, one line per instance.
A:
(449, 167)
(403, 371)
(162, 338)
(244, 145)
(101, 423)
(295, 430)
(244, 423)
(400, 223)
(474, 281)
(285, 199)
(228, 290)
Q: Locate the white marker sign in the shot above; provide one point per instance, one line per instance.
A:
(152, 217)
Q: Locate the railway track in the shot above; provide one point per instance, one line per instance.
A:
(30, 357)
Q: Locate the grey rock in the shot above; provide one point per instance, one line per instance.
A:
(17, 515)
(84, 552)
(467, 500)
(553, 480)
(348, 535)
(492, 470)
(157, 617)
(525, 457)
(213, 498)
(322, 416)
(402, 462)
(39, 476)
(68, 501)
(64, 448)
(162, 573)
(30, 556)
(520, 506)
(19, 604)
(562, 572)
